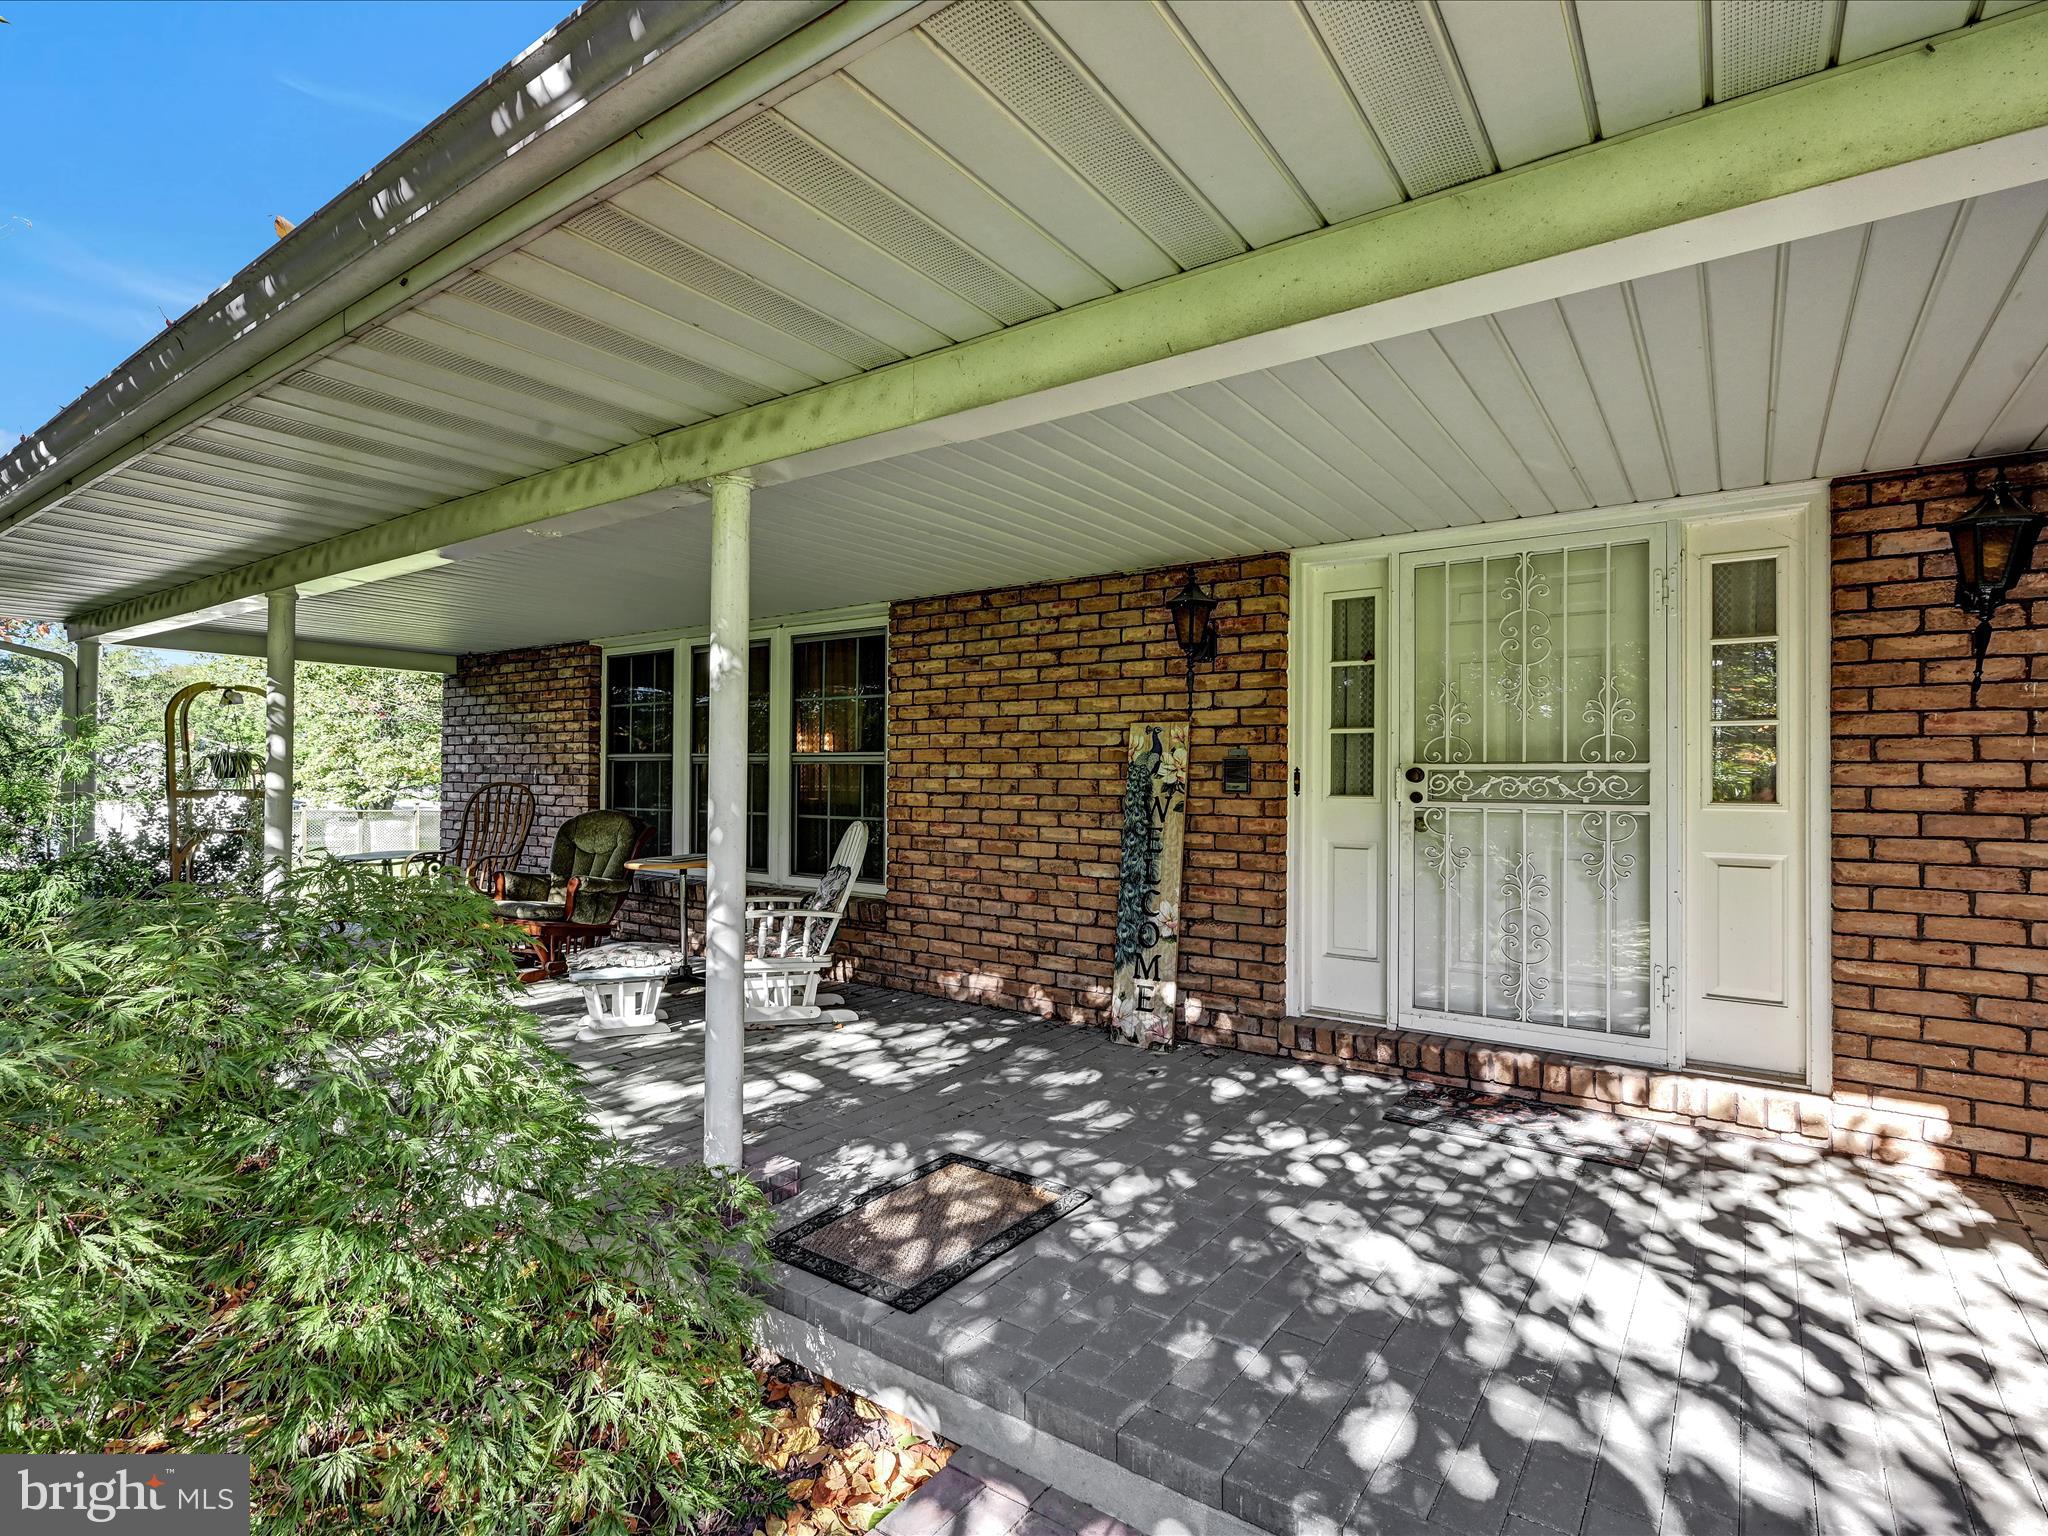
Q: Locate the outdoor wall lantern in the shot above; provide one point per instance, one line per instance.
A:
(1193, 607)
(1994, 545)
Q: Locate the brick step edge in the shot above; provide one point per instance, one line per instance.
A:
(1855, 1121)
(1089, 1481)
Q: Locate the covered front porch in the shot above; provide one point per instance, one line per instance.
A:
(1563, 412)
(1568, 419)
(1282, 1312)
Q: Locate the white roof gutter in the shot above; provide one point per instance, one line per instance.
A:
(595, 79)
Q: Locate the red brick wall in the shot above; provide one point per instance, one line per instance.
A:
(528, 716)
(1009, 719)
(1941, 836)
(1009, 715)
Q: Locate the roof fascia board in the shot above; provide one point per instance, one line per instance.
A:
(235, 642)
(1733, 176)
(299, 301)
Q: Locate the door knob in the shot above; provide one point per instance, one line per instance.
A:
(1413, 775)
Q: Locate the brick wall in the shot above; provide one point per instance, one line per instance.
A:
(1009, 718)
(529, 716)
(1941, 837)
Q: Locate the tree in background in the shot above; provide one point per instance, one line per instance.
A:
(365, 735)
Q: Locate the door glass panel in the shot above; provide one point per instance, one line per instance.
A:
(1351, 695)
(1354, 677)
(1745, 681)
(1742, 668)
(1351, 628)
(1351, 763)
(1531, 722)
(1745, 764)
(1745, 598)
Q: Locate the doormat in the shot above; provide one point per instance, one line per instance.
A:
(1478, 1116)
(918, 1236)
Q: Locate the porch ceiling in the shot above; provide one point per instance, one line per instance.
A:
(1000, 161)
(1917, 339)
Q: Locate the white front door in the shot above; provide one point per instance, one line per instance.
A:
(1534, 796)
(1345, 814)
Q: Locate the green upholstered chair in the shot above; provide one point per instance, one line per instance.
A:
(576, 902)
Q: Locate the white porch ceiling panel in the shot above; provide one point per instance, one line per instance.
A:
(999, 161)
(1917, 339)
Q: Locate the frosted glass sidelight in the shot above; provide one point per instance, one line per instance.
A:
(1743, 682)
(1354, 681)
(1745, 598)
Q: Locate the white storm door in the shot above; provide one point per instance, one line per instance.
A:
(1746, 794)
(1346, 815)
(1533, 796)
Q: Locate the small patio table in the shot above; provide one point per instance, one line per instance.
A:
(676, 867)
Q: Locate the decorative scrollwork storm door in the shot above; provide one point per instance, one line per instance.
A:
(1532, 784)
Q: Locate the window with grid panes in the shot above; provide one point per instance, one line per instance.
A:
(640, 741)
(838, 750)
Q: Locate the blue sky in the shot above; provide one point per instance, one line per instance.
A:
(149, 145)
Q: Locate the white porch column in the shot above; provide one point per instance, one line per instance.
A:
(280, 667)
(725, 883)
(85, 715)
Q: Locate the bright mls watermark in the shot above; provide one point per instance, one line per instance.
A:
(161, 1495)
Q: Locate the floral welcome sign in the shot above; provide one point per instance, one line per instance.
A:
(1146, 997)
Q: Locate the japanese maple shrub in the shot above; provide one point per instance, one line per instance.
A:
(302, 1180)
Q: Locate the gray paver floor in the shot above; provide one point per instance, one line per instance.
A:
(974, 1492)
(1320, 1321)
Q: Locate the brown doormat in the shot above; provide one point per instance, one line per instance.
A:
(916, 1237)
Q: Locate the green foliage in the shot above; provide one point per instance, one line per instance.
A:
(365, 735)
(303, 1180)
(32, 767)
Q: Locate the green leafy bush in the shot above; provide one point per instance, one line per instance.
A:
(302, 1180)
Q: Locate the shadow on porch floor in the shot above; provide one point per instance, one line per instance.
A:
(1284, 1308)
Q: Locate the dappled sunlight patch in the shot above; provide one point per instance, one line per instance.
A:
(1729, 1325)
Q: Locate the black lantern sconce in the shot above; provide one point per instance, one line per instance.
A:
(1994, 547)
(1193, 609)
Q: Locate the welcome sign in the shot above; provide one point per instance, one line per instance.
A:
(1145, 996)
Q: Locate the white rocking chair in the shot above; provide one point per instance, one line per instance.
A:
(789, 943)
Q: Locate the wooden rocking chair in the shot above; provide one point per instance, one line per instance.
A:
(494, 828)
(789, 943)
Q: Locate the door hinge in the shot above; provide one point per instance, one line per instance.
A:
(1297, 781)
(1664, 588)
(1666, 980)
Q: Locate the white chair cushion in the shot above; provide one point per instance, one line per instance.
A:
(656, 959)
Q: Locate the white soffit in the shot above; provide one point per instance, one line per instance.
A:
(1920, 339)
(997, 162)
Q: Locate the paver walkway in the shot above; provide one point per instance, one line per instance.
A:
(1284, 1306)
(976, 1493)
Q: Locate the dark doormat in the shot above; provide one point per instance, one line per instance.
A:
(1477, 1116)
(913, 1238)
